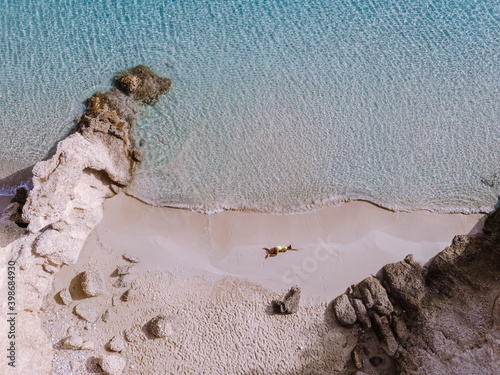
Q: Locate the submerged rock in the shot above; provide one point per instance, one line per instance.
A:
(405, 282)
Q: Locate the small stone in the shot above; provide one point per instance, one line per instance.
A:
(160, 326)
(344, 312)
(115, 301)
(123, 282)
(376, 361)
(65, 296)
(129, 293)
(357, 356)
(375, 296)
(73, 342)
(134, 335)
(50, 268)
(123, 270)
(130, 258)
(87, 312)
(116, 344)
(88, 345)
(112, 364)
(361, 313)
(93, 283)
(106, 316)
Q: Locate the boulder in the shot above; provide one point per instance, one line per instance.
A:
(86, 312)
(384, 333)
(375, 296)
(361, 313)
(344, 312)
(112, 364)
(116, 344)
(92, 283)
(65, 296)
(290, 302)
(160, 326)
(405, 282)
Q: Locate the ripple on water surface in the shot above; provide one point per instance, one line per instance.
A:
(275, 105)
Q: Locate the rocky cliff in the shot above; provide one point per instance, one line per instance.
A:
(46, 229)
(440, 320)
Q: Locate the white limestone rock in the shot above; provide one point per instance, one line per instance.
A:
(93, 283)
(112, 364)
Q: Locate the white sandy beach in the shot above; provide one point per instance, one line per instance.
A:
(209, 273)
(338, 246)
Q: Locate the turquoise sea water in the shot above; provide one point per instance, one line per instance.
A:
(277, 105)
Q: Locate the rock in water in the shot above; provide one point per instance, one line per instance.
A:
(160, 326)
(289, 304)
(112, 364)
(93, 283)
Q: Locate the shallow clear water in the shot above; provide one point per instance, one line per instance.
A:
(275, 105)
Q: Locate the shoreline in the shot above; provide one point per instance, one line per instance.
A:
(326, 203)
(339, 246)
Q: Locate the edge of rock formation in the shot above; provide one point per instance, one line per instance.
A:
(47, 228)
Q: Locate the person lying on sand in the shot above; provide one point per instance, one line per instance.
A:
(278, 249)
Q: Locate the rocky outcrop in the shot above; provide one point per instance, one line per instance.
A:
(46, 229)
(443, 321)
